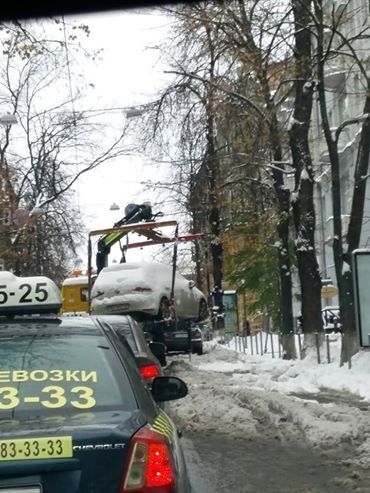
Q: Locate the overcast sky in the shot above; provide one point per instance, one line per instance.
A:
(128, 74)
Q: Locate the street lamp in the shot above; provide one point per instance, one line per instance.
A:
(114, 207)
(134, 112)
(8, 119)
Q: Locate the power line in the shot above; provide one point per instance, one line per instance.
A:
(109, 109)
(73, 106)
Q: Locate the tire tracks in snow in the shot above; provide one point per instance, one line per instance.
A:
(220, 402)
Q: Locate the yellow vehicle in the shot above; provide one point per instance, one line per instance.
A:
(75, 294)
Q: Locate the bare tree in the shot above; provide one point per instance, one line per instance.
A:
(239, 55)
(53, 144)
(190, 104)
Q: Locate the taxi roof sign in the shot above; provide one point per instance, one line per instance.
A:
(28, 295)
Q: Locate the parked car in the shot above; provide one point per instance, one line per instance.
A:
(150, 356)
(331, 319)
(145, 288)
(75, 414)
(177, 338)
(183, 336)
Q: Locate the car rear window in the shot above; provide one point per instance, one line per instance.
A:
(43, 373)
(124, 329)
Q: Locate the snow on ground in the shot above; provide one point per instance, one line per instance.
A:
(298, 376)
(234, 392)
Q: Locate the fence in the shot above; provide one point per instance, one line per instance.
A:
(270, 344)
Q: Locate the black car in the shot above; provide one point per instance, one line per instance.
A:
(150, 357)
(75, 415)
(184, 336)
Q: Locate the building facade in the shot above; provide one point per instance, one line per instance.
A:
(345, 93)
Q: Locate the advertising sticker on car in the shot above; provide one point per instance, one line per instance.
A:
(50, 396)
(71, 390)
(164, 425)
(36, 448)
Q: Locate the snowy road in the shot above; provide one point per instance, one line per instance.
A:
(223, 464)
(244, 431)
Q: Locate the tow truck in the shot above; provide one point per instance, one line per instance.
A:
(76, 289)
(139, 219)
(75, 292)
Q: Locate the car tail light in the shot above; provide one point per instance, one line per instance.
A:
(148, 372)
(197, 334)
(149, 467)
(142, 290)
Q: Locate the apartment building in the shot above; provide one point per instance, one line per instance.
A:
(345, 92)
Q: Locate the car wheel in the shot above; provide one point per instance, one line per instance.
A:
(203, 310)
(164, 311)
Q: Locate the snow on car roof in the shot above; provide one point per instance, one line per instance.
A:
(147, 271)
(135, 265)
(116, 282)
(129, 275)
(74, 281)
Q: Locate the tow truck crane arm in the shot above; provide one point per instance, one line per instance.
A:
(134, 214)
(141, 220)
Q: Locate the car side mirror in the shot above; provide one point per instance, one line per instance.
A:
(191, 284)
(159, 351)
(168, 389)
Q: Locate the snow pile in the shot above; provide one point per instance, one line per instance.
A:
(240, 394)
(212, 405)
(292, 376)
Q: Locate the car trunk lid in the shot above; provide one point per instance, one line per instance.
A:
(93, 462)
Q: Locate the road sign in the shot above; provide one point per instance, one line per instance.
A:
(361, 279)
(329, 291)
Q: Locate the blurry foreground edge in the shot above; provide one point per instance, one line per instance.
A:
(42, 8)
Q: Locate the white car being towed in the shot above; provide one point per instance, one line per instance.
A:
(145, 288)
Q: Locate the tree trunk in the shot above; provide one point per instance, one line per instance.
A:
(213, 174)
(285, 275)
(303, 205)
(350, 343)
(288, 343)
(214, 218)
(282, 192)
(360, 179)
(332, 145)
(198, 266)
(344, 278)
